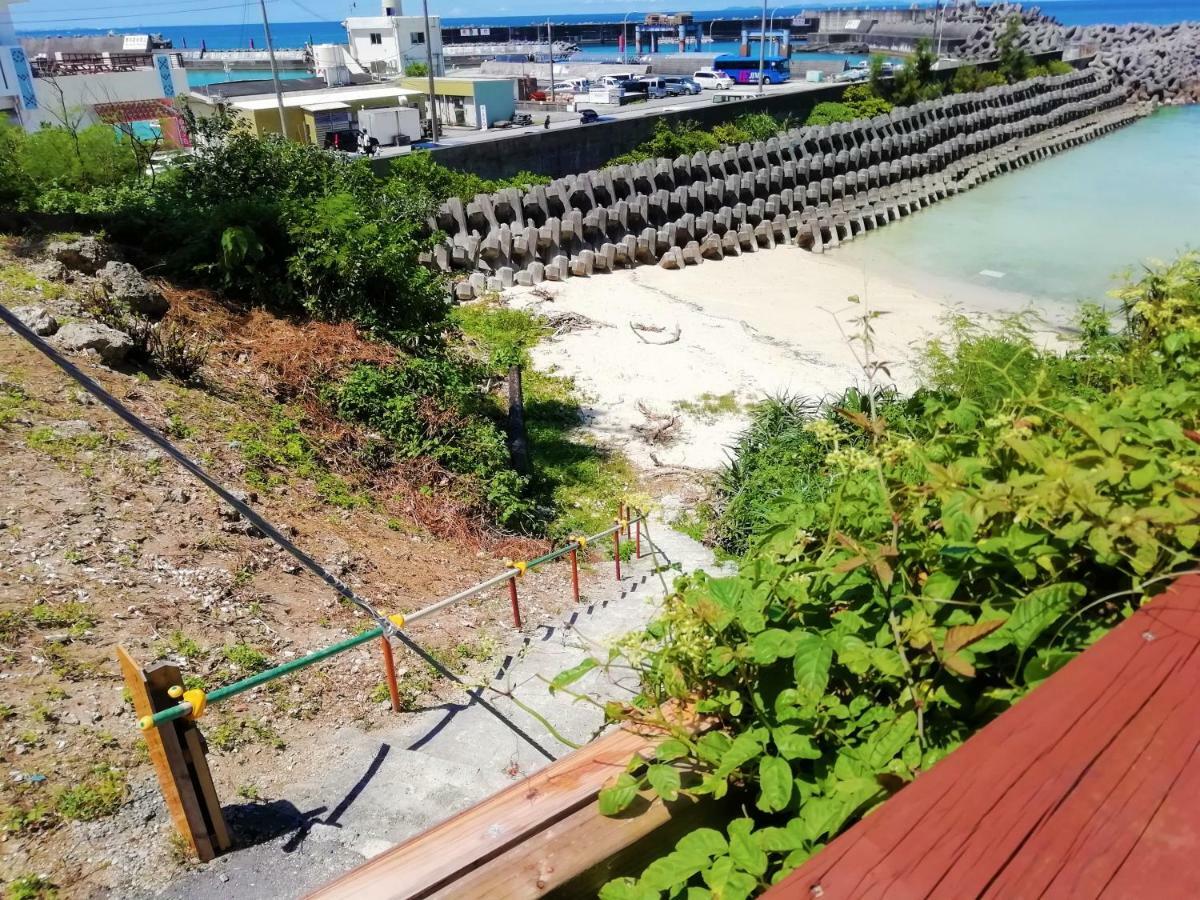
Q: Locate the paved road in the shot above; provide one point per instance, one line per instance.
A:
(384, 786)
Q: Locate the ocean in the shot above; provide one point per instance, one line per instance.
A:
(1058, 230)
(296, 34)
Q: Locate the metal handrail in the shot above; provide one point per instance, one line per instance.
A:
(195, 701)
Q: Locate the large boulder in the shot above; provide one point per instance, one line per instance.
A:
(111, 345)
(128, 286)
(85, 254)
(36, 319)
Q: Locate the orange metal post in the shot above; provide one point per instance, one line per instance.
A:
(389, 670)
(512, 598)
(575, 574)
(617, 551)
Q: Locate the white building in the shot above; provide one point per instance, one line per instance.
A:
(384, 45)
(132, 82)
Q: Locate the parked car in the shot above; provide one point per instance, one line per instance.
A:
(654, 86)
(588, 116)
(713, 80)
(678, 86)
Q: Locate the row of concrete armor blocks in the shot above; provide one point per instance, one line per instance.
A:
(811, 186)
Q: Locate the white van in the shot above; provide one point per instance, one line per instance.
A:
(713, 80)
(616, 79)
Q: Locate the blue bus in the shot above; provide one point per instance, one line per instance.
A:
(744, 69)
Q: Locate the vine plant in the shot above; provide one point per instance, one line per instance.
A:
(963, 552)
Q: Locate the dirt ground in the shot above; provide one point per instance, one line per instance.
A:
(104, 541)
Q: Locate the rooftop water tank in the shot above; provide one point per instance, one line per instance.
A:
(330, 64)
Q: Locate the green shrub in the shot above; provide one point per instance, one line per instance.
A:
(248, 659)
(921, 578)
(968, 79)
(31, 887)
(431, 408)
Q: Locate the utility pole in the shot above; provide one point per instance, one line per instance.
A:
(433, 119)
(762, 46)
(550, 41)
(274, 70)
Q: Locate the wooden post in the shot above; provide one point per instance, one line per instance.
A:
(575, 574)
(518, 437)
(637, 547)
(178, 752)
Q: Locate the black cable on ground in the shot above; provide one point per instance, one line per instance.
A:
(267, 529)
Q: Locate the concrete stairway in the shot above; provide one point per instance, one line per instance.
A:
(382, 786)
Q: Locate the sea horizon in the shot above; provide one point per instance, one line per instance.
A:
(231, 35)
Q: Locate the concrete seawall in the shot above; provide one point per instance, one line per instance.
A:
(815, 187)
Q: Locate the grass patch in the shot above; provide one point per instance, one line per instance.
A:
(73, 615)
(45, 440)
(30, 887)
(179, 644)
(26, 820)
(14, 402)
(235, 733)
(708, 406)
(18, 278)
(248, 659)
(100, 794)
(12, 625)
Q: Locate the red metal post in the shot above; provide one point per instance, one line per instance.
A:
(389, 670)
(617, 550)
(637, 541)
(575, 573)
(625, 516)
(512, 598)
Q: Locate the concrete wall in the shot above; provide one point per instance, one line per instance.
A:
(560, 152)
(81, 92)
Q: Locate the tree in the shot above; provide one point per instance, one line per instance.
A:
(416, 69)
(916, 82)
(1014, 62)
(878, 88)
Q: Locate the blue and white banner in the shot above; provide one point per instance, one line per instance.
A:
(24, 78)
(163, 63)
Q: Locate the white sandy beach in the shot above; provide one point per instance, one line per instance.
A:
(757, 325)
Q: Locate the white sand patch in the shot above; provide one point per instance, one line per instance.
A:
(757, 325)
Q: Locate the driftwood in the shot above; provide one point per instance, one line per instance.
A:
(659, 428)
(637, 328)
(566, 322)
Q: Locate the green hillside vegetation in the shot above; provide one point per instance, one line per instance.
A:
(912, 566)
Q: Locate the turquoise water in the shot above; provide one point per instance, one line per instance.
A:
(1058, 230)
(198, 78)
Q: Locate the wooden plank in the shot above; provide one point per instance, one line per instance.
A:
(566, 853)
(167, 757)
(430, 860)
(1072, 792)
(197, 751)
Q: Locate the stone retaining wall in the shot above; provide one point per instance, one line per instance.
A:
(814, 187)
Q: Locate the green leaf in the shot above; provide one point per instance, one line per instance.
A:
(811, 664)
(744, 849)
(782, 840)
(958, 521)
(774, 783)
(743, 749)
(671, 749)
(887, 661)
(664, 780)
(573, 674)
(1038, 609)
(707, 841)
(796, 746)
(712, 746)
(615, 799)
(772, 644)
(727, 883)
(1044, 664)
(672, 871)
(889, 740)
(940, 586)
(627, 889)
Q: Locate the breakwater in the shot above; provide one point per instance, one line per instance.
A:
(814, 187)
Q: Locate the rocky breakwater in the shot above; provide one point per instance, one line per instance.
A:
(813, 187)
(1155, 62)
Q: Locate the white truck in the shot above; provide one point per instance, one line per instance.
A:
(391, 126)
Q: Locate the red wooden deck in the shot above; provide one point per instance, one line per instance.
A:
(1089, 787)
